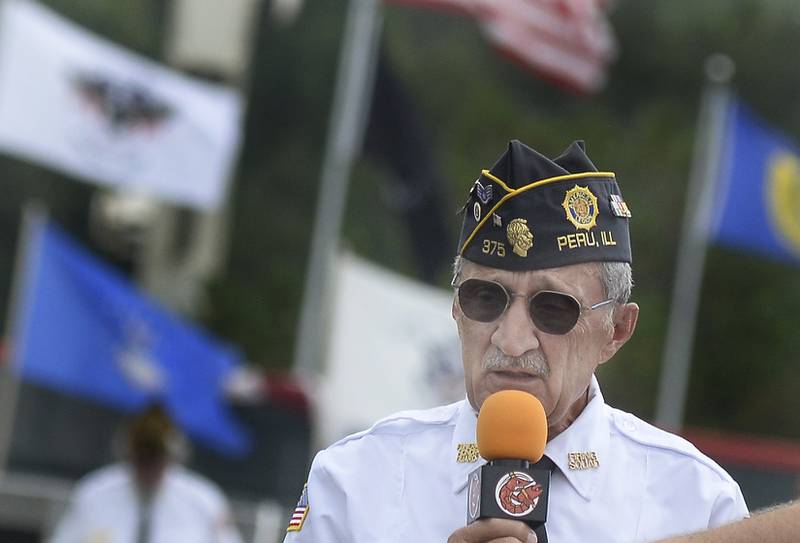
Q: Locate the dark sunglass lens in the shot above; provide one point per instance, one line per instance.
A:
(482, 301)
(554, 313)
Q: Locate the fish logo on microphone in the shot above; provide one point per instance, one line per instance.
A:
(517, 493)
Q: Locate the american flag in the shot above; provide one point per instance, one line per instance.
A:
(566, 41)
(300, 512)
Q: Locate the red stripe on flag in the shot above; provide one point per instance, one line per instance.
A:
(566, 41)
(537, 53)
(462, 7)
(582, 31)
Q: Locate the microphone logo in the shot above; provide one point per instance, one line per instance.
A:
(517, 493)
(474, 494)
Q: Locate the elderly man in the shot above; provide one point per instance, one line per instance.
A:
(542, 280)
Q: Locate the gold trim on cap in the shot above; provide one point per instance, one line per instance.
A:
(516, 192)
(490, 175)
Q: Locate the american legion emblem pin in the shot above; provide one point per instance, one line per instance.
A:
(580, 206)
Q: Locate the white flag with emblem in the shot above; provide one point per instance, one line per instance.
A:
(393, 346)
(83, 105)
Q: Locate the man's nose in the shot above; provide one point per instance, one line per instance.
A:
(515, 334)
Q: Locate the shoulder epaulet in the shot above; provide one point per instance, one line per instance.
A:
(646, 434)
(406, 422)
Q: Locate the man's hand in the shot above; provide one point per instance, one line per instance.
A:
(494, 530)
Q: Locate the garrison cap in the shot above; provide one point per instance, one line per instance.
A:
(530, 212)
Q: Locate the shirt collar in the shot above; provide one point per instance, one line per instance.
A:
(464, 433)
(589, 433)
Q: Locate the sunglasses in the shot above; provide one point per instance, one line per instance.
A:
(552, 312)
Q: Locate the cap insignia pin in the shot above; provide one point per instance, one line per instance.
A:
(476, 211)
(484, 193)
(619, 207)
(519, 236)
(580, 206)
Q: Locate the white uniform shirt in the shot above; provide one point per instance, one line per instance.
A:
(186, 509)
(399, 481)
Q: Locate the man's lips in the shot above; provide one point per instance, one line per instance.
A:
(512, 377)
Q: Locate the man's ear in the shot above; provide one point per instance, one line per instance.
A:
(625, 317)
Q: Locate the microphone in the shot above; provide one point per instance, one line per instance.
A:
(511, 435)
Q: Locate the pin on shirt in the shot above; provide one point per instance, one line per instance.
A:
(467, 453)
(583, 460)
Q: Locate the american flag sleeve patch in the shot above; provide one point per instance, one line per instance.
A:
(299, 513)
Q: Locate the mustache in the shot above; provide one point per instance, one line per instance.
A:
(533, 362)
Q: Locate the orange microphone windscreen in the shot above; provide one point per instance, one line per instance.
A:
(512, 425)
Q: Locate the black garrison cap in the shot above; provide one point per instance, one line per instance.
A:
(530, 212)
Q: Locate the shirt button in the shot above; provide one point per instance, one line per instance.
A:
(629, 425)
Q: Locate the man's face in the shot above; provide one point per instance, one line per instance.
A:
(511, 353)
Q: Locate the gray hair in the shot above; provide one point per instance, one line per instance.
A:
(458, 264)
(616, 277)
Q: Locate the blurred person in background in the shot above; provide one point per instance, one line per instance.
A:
(542, 281)
(149, 497)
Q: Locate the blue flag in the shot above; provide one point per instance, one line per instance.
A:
(83, 329)
(758, 197)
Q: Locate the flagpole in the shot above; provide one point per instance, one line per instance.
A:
(686, 289)
(34, 216)
(352, 97)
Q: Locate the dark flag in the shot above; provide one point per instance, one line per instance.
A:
(397, 136)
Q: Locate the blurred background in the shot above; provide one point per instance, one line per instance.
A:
(336, 143)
